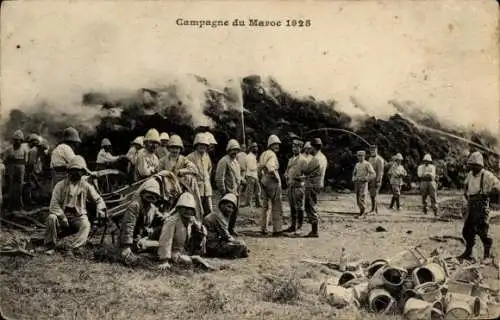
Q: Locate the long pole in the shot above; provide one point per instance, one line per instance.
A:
(243, 125)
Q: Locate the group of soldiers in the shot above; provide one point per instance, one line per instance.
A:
(192, 225)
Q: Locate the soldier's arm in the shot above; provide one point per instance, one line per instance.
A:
(56, 200)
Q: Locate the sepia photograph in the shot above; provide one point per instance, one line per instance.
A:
(250, 160)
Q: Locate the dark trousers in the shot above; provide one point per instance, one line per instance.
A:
(477, 223)
(232, 218)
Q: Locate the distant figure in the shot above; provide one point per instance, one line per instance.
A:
(147, 162)
(479, 185)
(228, 178)
(396, 174)
(202, 161)
(163, 148)
(15, 159)
(295, 181)
(34, 168)
(315, 181)
(363, 172)
(131, 155)
(220, 243)
(68, 207)
(428, 187)
(378, 164)
(271, 186)
(252, 178)
(104, 157)
(63, 153)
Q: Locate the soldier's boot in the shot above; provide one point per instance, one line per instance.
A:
(314, 231)
(425, 210)
(467, 254)
(293, 226)
(300, 219)
(398, 204)
(487, 248)
(393, 201)
(373, 204)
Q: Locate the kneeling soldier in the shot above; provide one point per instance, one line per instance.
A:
(142, 222)
(68, 212)
(478, 186)
(220, 243)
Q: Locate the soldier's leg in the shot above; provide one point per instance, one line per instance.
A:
(300, 198)
(372, 188)
(233, 217)
(82, 226)
(52, 230)
(424, 189)
(277, 209)
(265, 211)
(433, 196)
(249, 193)
(312, 210)
(362, 197)
(293, 211)
(258, 194)
(483, 232)
(469, 234)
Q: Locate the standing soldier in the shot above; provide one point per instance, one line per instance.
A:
(228, 178)
(315, 181)
(163, 148)
(396, 174)
(478, 186)
(68, 207)
(33, 167)
(428, 187)
(252, 177)
(104, 157)
(15, 159)
(271, 186)
(202, 161)
(378, 164)
(63, 153)
(363, 172)
(296, 186)
(147, 162)
(131, 156)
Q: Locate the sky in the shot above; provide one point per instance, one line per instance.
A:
(443, 55)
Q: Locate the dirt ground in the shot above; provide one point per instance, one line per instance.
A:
(272, 283)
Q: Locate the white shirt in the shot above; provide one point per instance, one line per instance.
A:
(251, 166)
(61, 156)
(106, 157)
(473, 182)
(426, 169)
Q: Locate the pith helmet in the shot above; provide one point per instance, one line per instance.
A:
(186, 200)
(151, 185)
(273, 139)
(175, 141)
(476, 158)
(34, 138)
(152, 135)
(78, 162)
(233, 145)
(398, 156)
(164, 136)
(105, 143)
(71, 135)
(211, 138)
(139, 140)
(361, 153)
(18, 135)
(201, 138)
(427, 157)
(230, 197)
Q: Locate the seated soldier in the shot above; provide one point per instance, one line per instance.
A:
(142, 222)
(68, 212)
(220, 244)
(179, 232)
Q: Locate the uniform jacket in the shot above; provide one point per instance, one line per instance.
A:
(316, 170)
(228, 175)
(217, 227)
(204, 166)
(363, 171)
(136, 219)
(146, 165)
(64, 196)
(378, 164)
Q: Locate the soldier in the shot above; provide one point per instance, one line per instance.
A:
(428, 187)
(131, 156)
(177, 232)
(220, 243)
(162, 149)
(142, 221)
(396, 174)
(363, 172)
(295, 181)
(241, 158)
(211, 141)
(34, 167)
(271, 186)
(104, 157)
(228, 178)
(378, 164)
(15, 159)
(306, 151)
(63, 153)
(68, 207)
(202, 161)
(147, 162)
(315, 181)
(479, 185)
(252, 178)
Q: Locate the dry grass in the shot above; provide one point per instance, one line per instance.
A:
(271, 284)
